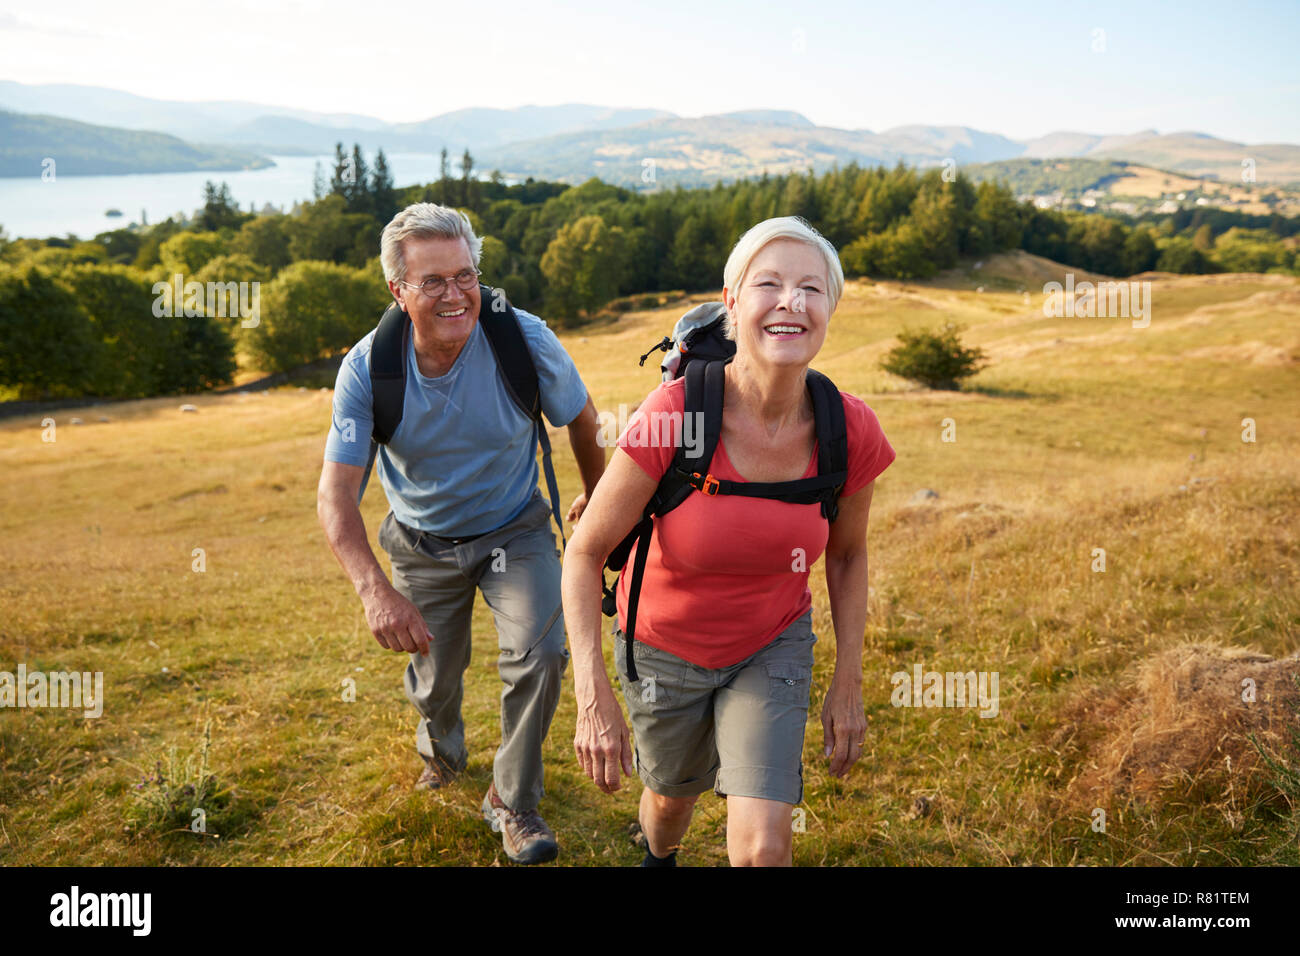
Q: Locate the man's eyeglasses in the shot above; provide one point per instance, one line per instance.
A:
(435, 286)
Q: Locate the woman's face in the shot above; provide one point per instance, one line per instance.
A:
(781, 311)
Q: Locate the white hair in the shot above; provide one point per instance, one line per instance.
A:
(423, 220)
(769, 230)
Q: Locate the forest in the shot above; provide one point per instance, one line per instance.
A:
(80, 317)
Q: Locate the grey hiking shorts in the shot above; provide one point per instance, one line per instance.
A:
(737, 729)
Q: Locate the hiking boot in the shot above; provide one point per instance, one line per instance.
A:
(436, 774)
(525, 835)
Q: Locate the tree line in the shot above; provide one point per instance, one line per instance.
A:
(563, 252)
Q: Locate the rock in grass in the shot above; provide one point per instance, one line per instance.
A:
(189, 408)
(923, 495)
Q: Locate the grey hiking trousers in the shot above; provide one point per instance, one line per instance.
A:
(517, 567)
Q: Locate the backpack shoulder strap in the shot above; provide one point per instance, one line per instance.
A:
(501, 326)
(388, 371)
(704, 392)
(387, 382)
(506, 337)
(832, 436)
(832, 460)
(702, 403)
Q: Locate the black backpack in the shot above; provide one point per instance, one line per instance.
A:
(501, 326)
(698, 351)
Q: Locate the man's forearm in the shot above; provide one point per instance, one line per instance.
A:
(590, 456)
(591, 462)
(346, 534)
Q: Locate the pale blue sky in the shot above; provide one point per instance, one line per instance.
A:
(1022, 68)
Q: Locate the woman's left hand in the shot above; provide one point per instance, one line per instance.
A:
(844, 724)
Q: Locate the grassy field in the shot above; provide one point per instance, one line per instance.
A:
(1148, 183)
(1120, 690)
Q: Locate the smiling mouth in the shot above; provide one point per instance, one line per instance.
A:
(453, 314)
(783, 330)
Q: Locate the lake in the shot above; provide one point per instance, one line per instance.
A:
(30, 207)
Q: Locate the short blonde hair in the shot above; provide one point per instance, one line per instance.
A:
(769, 230)
(423, 220)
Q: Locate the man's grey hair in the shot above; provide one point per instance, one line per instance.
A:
(423, 220)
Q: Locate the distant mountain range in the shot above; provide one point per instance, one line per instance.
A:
(630, 147)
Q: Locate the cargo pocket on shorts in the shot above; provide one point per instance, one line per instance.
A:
(789, 682)
(659, 673)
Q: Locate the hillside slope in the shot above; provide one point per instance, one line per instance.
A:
(1083, 434)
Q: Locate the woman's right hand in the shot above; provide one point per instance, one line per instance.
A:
(601, 739)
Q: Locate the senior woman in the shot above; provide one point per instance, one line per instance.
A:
(724, 643)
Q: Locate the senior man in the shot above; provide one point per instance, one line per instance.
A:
(460, 473)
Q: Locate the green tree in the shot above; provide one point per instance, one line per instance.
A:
(264, 239)
(313, 309)
(998, 215)
(150, 253)
(121, 245)
(147, 345)
(236, 282)
(220, 211)
(697, 255)
(357, 192)
(939, 218)
(1139, 252)
(1252, 250)
(898, 253)
(1179, 254)
(494, 260)
(47, 345)
(1097, 244)
(132, 338)
(444, 179)
(466, 171)
(382, 197)
(188, 252)
(326, 231)
(583, 265)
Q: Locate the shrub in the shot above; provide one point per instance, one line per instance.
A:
(937, 359)
(47, 342)
(313, 309)
(165, 800)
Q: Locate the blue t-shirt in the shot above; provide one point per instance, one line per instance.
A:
(463, 459)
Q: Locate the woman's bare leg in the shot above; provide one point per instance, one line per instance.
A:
(759, 832)
(664, 820)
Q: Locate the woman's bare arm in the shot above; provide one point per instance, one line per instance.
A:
(844, 723)
(601, 738)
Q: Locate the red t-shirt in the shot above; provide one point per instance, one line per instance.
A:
(726, 574)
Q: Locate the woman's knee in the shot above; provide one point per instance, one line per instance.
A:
(759, 833)
(763, 851)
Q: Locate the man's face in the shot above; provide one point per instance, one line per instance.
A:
(447, 321)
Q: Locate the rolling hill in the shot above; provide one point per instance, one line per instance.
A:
(83, 149)
(1120, 685)
(573, 142)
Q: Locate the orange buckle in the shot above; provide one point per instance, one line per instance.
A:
(708, 484)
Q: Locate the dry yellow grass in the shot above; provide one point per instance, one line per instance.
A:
(1127, 440)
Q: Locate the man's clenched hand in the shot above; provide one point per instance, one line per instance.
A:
(395, 621)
